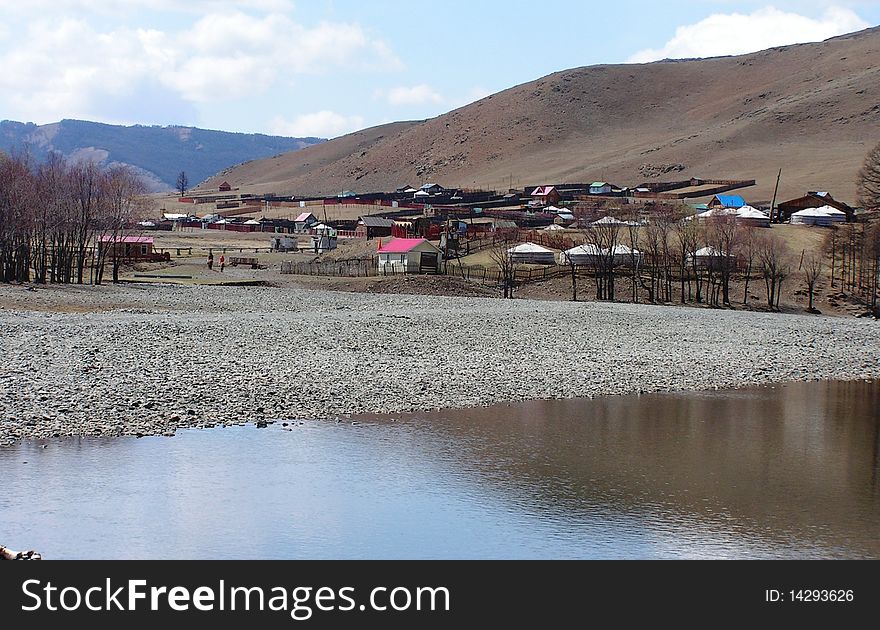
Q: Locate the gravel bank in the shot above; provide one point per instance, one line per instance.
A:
(150, 360)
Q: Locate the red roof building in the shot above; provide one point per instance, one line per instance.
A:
(409, 256)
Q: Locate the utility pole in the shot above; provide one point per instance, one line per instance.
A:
(775, 192)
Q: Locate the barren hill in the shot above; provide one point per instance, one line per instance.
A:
(811, 109)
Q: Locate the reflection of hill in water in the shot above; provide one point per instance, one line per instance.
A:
(795, 465)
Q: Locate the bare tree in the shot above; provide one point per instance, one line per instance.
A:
(123, 194)
(687, 235)
(633, 234)
(873, 249)
(604, 239)
(507, 267)
(748, 246)
(182, 184)
(86, 185)
(812, 266)
(775, 267)
(17, 202)
(831, 247)
(869, 181)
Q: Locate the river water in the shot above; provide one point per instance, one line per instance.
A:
(779, 472)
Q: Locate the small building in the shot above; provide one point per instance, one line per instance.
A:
(128, 247)
(409, 256)
(374, 227)
(812, 200)
(711, 258)
(726, 201)
(532, 254)
(432, 189)
(304, 222)
(601, 188)
(824, 216)
(546, 195)
(225, 187)
(324, 239)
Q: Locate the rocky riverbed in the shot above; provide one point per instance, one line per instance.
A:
(147, 360)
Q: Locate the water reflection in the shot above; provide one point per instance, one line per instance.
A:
(790, 471)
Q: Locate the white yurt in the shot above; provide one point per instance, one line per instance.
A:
(580, 255)
(752, 216)
(532, 254)
(553, 228)
(826, 215)
(609, 220)
(746, 215)
(709, 257)
(624, 255)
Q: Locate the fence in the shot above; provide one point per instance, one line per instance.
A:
(480, 273)
(356, 268)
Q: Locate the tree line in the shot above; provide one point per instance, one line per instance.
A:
(53, 215)
(671, 257)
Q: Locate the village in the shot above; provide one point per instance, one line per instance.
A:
(689, 242)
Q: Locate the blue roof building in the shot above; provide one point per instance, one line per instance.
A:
(727, 201)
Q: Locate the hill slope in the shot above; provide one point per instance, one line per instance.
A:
(811, 109)
(159, 152)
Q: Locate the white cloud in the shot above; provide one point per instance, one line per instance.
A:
(737, 33)
(323, 124)
(65, 67)
(416, 95)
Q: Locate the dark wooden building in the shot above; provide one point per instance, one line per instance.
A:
(374, 227)
(811, 200)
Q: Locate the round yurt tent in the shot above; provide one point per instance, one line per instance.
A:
(580, 255)
(532, 254)
(748, 215)
(710, 257)
(826, 215)
(626, 256)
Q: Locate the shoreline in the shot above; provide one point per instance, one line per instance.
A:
(153, 360)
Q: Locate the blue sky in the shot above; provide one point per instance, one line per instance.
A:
(327, 67)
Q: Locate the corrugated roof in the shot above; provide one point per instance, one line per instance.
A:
(377, 222)
(305, 217)
(731, 201)
(402, 245)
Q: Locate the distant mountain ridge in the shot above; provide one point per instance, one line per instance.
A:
(158, 153)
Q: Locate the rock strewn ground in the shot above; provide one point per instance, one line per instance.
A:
(149, 360)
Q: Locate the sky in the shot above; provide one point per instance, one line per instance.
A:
(328, 67)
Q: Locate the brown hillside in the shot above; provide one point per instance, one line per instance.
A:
(811, 109)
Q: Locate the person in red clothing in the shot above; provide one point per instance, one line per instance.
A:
(222, 262)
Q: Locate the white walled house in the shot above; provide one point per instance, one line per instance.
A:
(409, 256)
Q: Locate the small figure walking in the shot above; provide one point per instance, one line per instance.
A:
(222, 262)
(210, 261)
